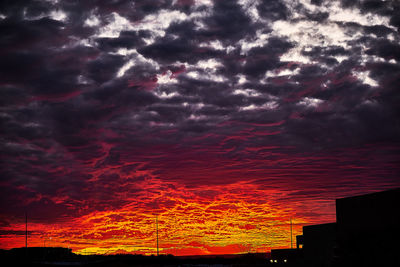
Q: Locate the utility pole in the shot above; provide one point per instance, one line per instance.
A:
(291, 234)
(157, 233)
(26, 230)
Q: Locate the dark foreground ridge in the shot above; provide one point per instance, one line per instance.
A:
(64, 257)
(366, 234)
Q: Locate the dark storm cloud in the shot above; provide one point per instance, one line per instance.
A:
(317, 2)
(11, 95)
(326, 51)
(168, 50)
(91, 110)
(19, 7)
(388, 8)
(386, 72)
(273, 10)
(104, 68)
(379, 30)
(385, 49)
(261, 59)
(126, 39)
(23, 34)
(227, 22)
(185, 29)
(13, 64)
(319, 17)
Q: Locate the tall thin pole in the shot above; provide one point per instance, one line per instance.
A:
(157, 234)
(26, 230)
(291, 234)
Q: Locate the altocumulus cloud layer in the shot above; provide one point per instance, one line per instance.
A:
(225, 118)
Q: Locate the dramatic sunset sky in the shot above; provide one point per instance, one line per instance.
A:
(223, 118)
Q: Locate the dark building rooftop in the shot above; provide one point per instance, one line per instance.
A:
(319, 243)
(368, 233)
(374, 210)
(365, 234)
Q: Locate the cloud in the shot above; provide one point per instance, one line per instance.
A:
(197, 111)
(273, 10)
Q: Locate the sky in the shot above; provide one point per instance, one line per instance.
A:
(224, 119)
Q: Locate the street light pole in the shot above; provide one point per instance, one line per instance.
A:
(291, 234)
(157, 234)
(26, 230)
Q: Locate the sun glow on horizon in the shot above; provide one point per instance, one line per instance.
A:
(189, 225)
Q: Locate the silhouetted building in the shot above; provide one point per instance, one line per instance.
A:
(318, 243)
(365, 233)
(368, 229)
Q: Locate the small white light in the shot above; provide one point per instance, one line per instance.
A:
(285, 260)
(271, 260)
(275, 261)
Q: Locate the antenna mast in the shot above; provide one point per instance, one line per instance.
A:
(291, 234)
(157, 233)
(26, 229)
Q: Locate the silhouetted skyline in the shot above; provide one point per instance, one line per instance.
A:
(365, 234)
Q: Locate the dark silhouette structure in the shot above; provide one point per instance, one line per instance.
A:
(64, 257)
(368, 229)
(26, 230)
(36, 256)
(365, 233)
(318, 244)
(158, 252)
